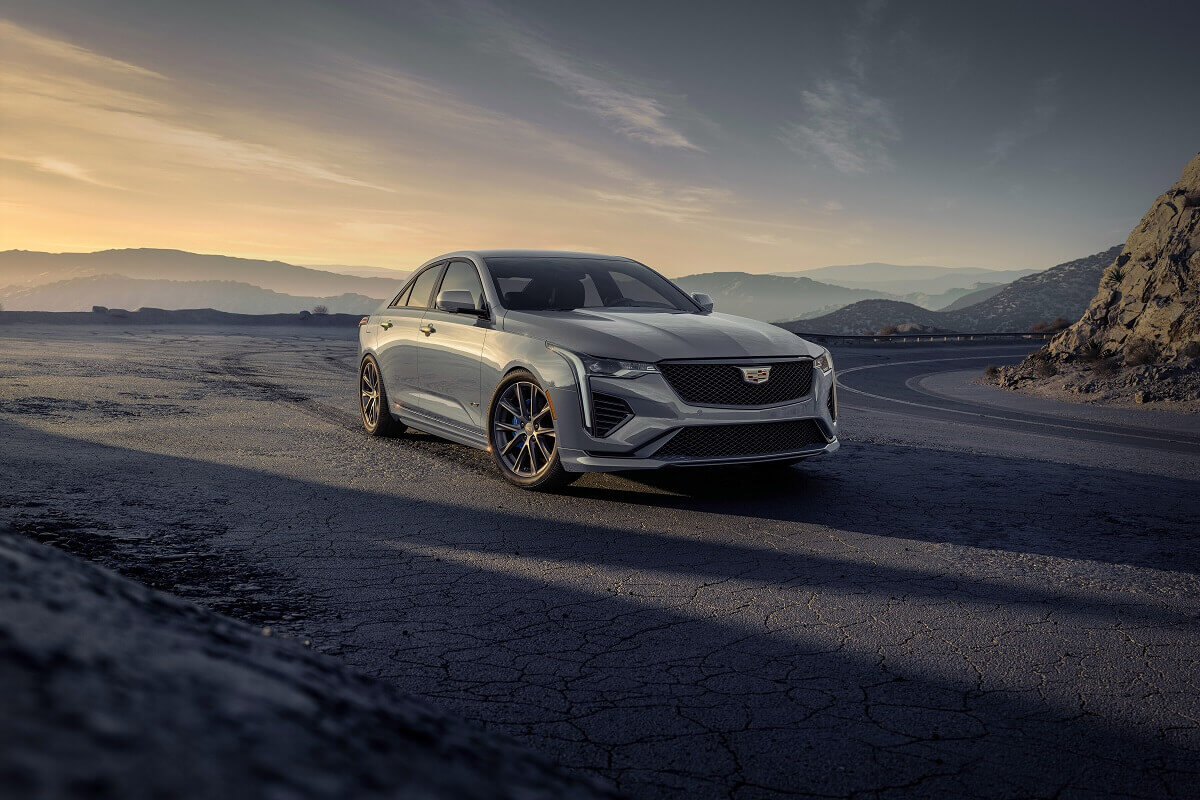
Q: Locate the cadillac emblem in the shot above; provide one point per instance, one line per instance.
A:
(755, 374)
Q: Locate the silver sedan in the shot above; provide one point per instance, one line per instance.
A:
(563, 363)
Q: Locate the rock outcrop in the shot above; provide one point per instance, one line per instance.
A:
(1151, 293)
(1139, 338)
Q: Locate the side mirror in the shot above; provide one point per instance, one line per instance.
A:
(457, 302)
(703, 300)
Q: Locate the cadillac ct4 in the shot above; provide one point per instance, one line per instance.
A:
(563, 363)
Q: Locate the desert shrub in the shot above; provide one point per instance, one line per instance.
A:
(1104, 366)
(320, 309)
(1140, 351)
(1091, 353)
(1190, 350)
(1044, 368)
(888, 330)
(1113, 275)
(992, 372)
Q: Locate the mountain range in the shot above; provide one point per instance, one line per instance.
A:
(1061, 291)
(879, 294)
(775, 297)
(908, 279)
(118, 291)
(22, 269)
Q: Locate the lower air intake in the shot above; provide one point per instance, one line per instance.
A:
(733, 441)
(610, 412)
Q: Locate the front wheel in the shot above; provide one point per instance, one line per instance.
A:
(524, 441)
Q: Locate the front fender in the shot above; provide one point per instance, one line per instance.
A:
(505, 352)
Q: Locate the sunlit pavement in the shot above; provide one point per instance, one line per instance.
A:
(982, 601)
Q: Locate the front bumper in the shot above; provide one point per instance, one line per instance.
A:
(659, 413)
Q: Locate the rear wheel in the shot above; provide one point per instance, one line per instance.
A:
(373, 402)
(522, 435)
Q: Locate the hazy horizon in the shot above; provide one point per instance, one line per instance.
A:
(694, 137)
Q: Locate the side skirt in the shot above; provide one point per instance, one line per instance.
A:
(444, 428)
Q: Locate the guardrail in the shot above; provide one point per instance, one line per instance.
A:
(912, 338)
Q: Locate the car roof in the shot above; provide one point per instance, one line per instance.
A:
(486, 254)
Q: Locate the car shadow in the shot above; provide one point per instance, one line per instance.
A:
(672, 661)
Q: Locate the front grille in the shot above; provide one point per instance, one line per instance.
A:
(724, 385)
(609, 412)
(753, 439)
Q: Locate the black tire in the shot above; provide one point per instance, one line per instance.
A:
(380, 422)
(541, 473)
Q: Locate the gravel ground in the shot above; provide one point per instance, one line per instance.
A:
(952, 605)
(114, 690)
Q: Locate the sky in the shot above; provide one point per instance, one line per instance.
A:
(694, 136)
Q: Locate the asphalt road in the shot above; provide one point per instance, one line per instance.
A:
(959, 603)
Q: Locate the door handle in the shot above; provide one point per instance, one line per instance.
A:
(386, 325)
(428, 329)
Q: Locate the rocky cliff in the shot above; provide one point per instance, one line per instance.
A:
(1139, 338)
(1151, 293)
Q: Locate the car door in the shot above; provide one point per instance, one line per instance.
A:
(399, 336)
(450, 351)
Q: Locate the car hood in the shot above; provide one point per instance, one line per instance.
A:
(656, 336)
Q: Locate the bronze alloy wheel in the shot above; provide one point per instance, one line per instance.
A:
(523, 439)
(373, 401)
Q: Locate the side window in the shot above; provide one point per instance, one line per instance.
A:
(402, 298)
(421, 294)
(462, 277)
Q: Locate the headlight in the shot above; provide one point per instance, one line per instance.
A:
(587, 365)
(824, 362)
(616, 368)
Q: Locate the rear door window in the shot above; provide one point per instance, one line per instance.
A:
(421, 294)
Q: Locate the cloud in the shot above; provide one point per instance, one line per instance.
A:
(47, 85)
(685, 204)
(1043, 107)
(766, 239)
(46, 47)
(858, 49)
(60, 167)
(630, 111)
(843, 126)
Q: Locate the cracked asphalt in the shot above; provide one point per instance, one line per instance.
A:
(980, 595)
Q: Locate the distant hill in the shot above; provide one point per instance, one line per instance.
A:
(26, 268)
(942, 300)
(1061, 291)
(770, 297)
(118, 291)
(870, 316)
(902, 279)
(364, 272)
(975, 296)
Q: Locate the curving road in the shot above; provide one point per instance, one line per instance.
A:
(893, 383)
(979, 596)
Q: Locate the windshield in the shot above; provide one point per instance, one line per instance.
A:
(565, 284)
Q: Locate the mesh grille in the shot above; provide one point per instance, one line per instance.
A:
(731, 441)
(724, 385)
(610, 413)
